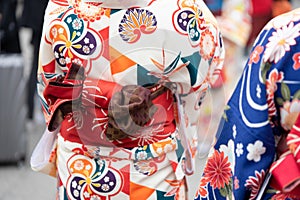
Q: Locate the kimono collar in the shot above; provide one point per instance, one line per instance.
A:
(121, 4)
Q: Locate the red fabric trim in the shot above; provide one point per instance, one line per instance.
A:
(286, 174)
(286, 170)
(62, 91)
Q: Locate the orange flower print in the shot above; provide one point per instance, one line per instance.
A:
(296, 59)
(202, 190)
(178, 189)
(273, 78)
(217, 170)
(271, 87)
(255, 55)
(135, 23)
(207, 44)
(88, 11)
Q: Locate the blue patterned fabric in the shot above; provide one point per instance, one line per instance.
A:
(260, 112)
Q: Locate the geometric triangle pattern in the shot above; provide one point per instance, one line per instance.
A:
(139, 192)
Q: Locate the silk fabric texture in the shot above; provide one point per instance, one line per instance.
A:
(260, 113)
(160, 41)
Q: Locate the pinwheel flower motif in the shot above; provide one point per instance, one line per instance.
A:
(90, 179)
(71, 42)
(189, 20)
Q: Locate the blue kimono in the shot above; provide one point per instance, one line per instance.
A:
(257, 118)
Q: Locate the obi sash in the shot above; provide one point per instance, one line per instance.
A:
(286, 170)
(79, 106)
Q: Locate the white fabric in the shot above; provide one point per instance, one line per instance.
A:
(121, 4)
(41, 155)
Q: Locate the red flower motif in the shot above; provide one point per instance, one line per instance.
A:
(274, 77)
(89, 11)
(255, 55)
(271, 87)
(217, 170)
(296, 59)
(207, 44)
(254, 183)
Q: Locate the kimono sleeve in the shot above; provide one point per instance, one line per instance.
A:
(193, 71)
(48, 69)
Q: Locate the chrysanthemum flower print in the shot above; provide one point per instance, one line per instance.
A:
(268, 94)
(208, 45)
(218, 171)
(255, 151)
(135, 23)
(88, 11)
(253, 183)
(280, 42)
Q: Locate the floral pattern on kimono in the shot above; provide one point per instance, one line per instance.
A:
(118, 44)
(258, 116)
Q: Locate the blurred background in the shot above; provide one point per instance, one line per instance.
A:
(21, 119)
